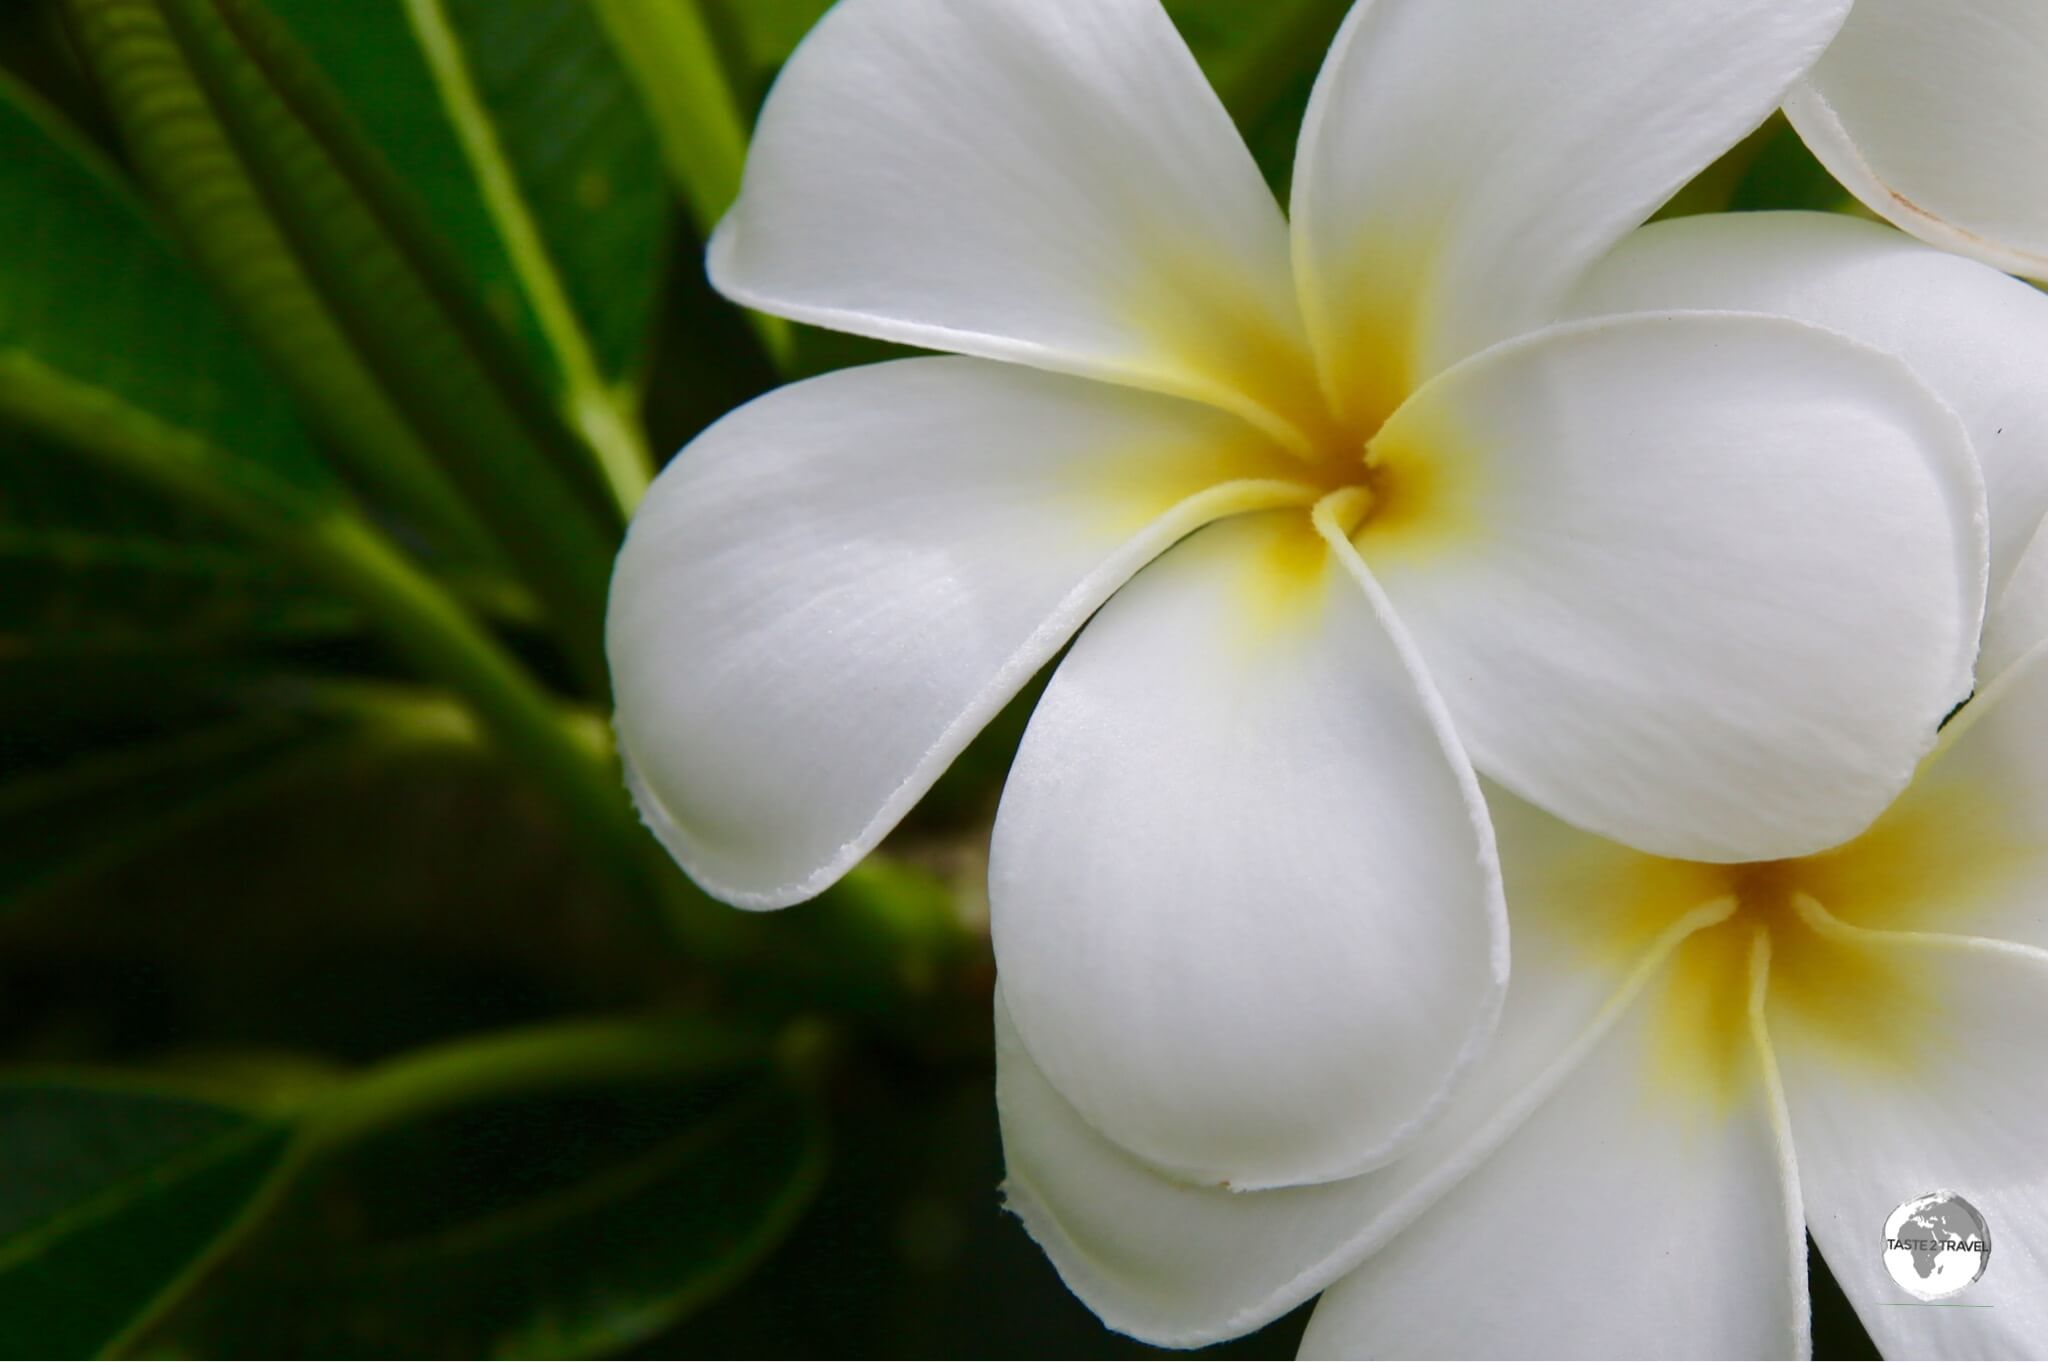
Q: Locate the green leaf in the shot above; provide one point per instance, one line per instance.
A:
(575, 1218)
(697, 111)
(414, 613)
(98, 314)
(1263, 60)
(404, 304)
(704, 132)
(569, 1188)
(406, 310)
(1781, 173)
(71, 590)
(95, 810)
(204, 188)
(110, 349)
(96, 806)
(110, 1195)
(91, 565)
(524, 139)
(767, 31)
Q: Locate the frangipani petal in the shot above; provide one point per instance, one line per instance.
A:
(1164, 1260)
(1181, 1265)
(1978, 338)
(830, 592)
(1460, 164)
(1621, 1220)
(1050, 182)
(1954, 1099)
(1702, 583)
(1936, 116)
(1965, 849)
(2017, 621)
(1242, 885)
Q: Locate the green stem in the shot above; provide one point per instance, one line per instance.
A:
(394, 714)
(445, 1078)
(415, 614)
(620, 447)
(466, 1073)
(203, 186)
(410, 310)
(669, 51)
(595, 409)
(441, 640)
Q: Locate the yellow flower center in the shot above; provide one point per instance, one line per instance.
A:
(1394, 488)
(1828, 976)
(1239, 360)
(1836, 990)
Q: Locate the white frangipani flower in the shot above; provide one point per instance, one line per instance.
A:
(1696, 1065)
(1935, 114)
(1696, 1062)
(1244, 893)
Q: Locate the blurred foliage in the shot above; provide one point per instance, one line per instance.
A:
(345, 1007)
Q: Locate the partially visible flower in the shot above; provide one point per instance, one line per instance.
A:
(1703, 583)
(1697, 1065)
(1979, 338)
(1935, 114)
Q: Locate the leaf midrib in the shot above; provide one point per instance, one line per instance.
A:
(206, 1154)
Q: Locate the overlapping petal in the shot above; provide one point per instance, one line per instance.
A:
(826, 595)
(1162, 1259)
(1936, 116)
(1621, 1220)
(1045, 181)
(1965, 849)
(1182, 1265)
(1978, 338)
(1957, 1104)
(1460, 164)
(2017, 621)
(1243, 886)
(1703, 583)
